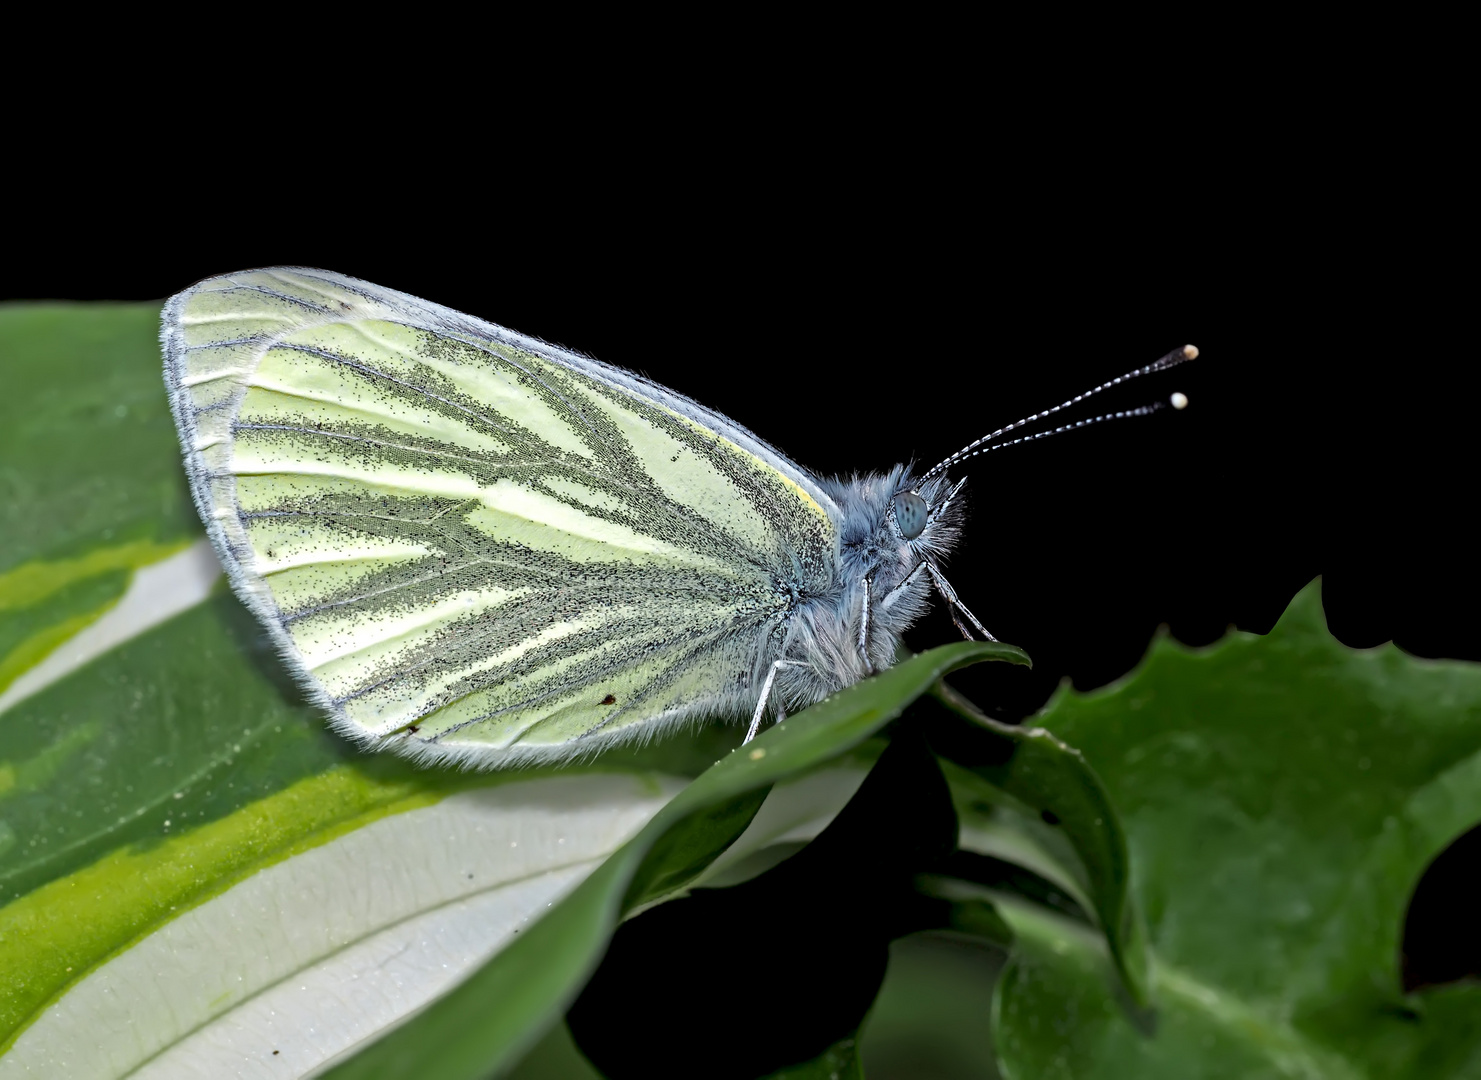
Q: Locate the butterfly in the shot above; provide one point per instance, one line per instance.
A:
(471, 546)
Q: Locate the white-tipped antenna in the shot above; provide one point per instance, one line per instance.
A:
(1177, 401)
(972, 449)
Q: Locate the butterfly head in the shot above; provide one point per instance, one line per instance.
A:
(922, 519)
(911, 514)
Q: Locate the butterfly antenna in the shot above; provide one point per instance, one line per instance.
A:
(1178, 401)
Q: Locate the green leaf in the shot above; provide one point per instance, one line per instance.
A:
(1055, 1017)
(813, 931)
(1031, 771)
(170, 783)
(554, 1057)
(795, 812)
(90, 484)
(492, 1018)
(928, 1021)
(88, 455)
(839, 1062)
(1282, 795)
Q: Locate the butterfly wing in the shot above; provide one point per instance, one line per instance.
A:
(468, 543)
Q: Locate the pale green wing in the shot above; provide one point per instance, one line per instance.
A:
(471, 544)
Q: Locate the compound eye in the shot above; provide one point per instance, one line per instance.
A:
(910, 514)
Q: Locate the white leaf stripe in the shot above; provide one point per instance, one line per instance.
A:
(473, 541)
(316, 953)
(155, 593)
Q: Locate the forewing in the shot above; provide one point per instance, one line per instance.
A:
(469, 543)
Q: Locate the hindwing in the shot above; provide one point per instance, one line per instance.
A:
(472, 544)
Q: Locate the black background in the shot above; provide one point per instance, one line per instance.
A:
(862, 294)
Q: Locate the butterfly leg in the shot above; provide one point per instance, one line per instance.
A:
(959, 624)
(864, 628)
(766, 693)
(909, 579)
(954, 604)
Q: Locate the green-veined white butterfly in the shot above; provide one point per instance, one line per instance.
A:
(473, 546)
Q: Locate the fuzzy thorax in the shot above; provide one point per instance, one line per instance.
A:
(824, 634)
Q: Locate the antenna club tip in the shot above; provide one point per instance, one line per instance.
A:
(1190, 352)
(1180, 401)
